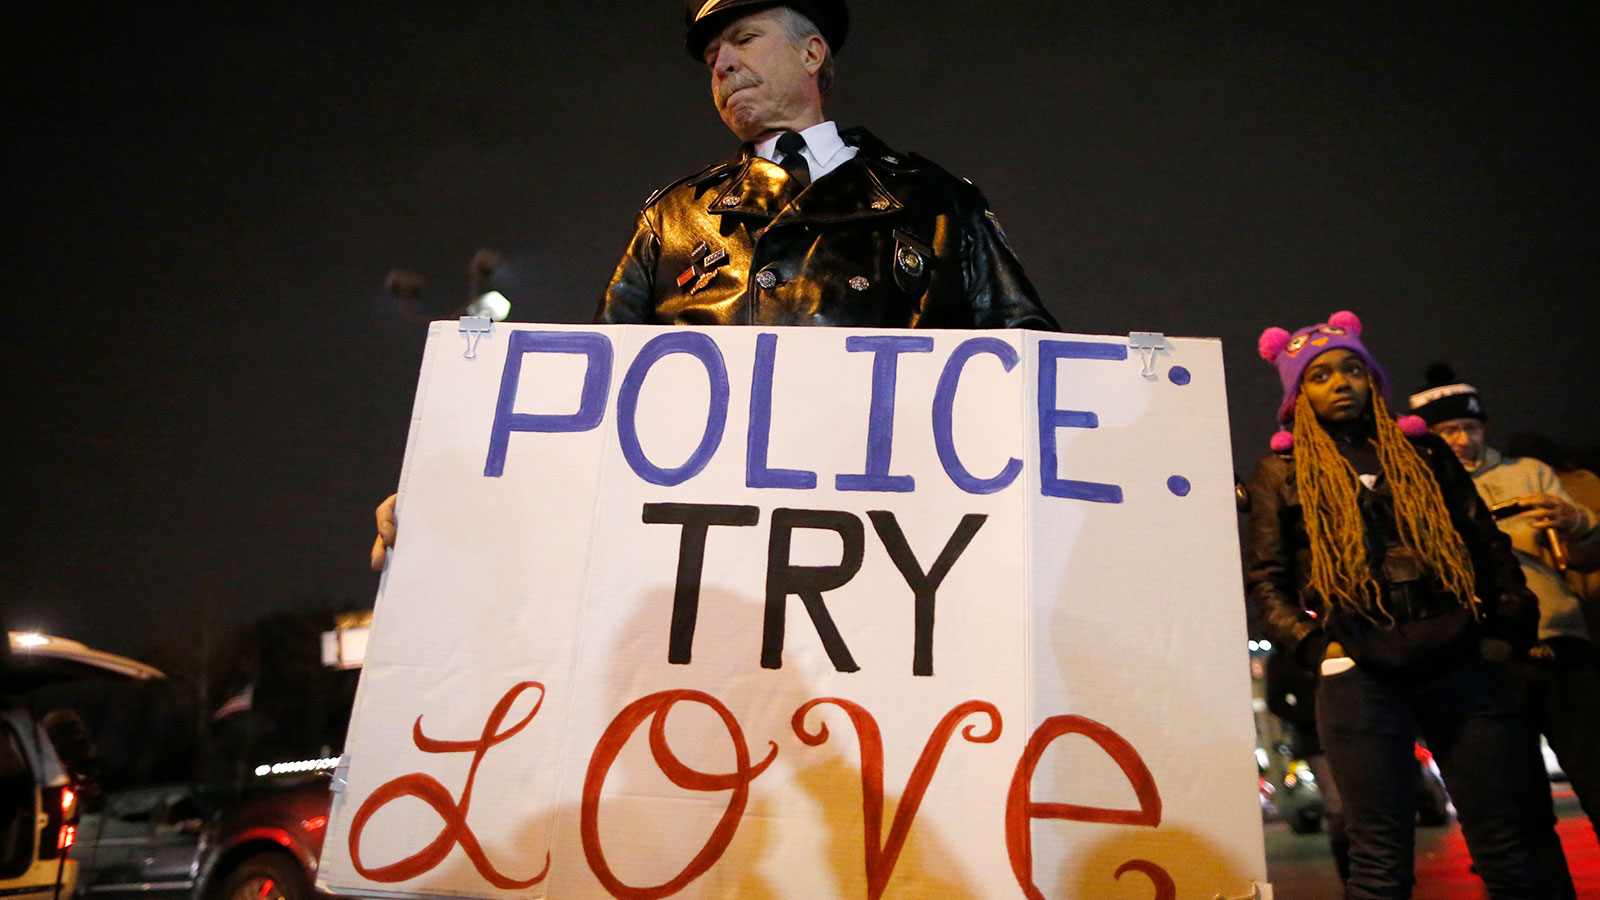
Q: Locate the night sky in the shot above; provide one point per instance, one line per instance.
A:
(208, 389)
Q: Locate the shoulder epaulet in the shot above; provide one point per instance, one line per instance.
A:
(696, 176)
(958, 182)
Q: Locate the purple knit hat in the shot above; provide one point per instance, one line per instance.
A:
(1293, 353)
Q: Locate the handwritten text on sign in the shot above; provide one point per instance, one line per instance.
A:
(886, 351)
(590, 607)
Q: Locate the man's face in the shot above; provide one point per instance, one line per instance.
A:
(1337, 385)
(760, 82)
(1465, 437)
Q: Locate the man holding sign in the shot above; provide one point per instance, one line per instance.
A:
(806, 225)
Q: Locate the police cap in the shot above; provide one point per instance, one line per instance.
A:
(705, 18)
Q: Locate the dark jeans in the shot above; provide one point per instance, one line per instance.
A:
(1332, 814)
(1466, 713)
(1560, 698)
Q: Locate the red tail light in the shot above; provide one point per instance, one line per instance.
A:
(60, 806)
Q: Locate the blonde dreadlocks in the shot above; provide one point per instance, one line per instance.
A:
(1340, 570)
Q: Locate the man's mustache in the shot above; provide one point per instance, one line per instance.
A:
(736, 81)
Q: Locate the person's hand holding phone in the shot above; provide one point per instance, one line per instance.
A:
(1542, 511)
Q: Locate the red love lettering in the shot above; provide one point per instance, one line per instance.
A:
(1021, 810)
(1165, 889)
(881, 857)
(656, 706)
(454, 829)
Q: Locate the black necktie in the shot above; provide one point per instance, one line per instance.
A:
(790, 145)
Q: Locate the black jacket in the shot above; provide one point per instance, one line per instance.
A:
(885, 240)
(1430, 624)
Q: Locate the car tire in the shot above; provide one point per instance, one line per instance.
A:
(265, 876)
(1306, 821)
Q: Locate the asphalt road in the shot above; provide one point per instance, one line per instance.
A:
(1301, 867)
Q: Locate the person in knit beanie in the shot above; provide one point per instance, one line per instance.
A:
(1454, 411)
(1371, 559)
(1556, 682)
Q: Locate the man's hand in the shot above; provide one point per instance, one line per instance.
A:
(386, 530)
(1550, 511)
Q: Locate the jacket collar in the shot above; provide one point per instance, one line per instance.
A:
(860, 188)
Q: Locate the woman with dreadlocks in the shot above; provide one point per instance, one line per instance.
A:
(1370, 557)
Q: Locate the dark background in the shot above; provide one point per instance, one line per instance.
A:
(208, 390)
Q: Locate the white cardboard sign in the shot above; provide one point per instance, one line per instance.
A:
(809, 613)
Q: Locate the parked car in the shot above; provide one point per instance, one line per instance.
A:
(39, 808)
(38, 793)
(206, 842)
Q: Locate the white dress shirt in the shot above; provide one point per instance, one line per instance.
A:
(824, 152)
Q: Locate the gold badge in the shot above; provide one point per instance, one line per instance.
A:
(910, 261)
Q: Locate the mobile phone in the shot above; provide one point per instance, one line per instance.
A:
(1508, 508)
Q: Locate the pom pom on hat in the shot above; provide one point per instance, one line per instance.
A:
(1272, 342)
(1412, 426)
(1347, 320)
(1440, 374)
(1283, 441)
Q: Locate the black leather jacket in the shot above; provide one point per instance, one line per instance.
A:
(1278, 567)
(885, 240)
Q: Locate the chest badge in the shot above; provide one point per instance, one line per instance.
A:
(859, 283)
(909, 261)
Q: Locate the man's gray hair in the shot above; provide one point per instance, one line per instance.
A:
(799, 28)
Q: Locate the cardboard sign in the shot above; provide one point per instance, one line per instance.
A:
(810, 613)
